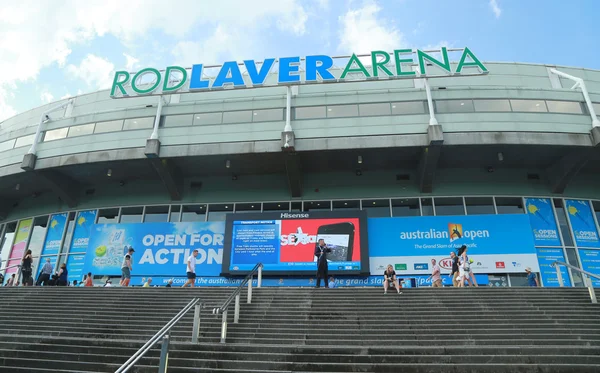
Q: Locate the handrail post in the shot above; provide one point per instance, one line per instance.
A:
(250, 289)
(559, 275)
(590, 285)
(259, 283)
(196, 324)
(224, 327)
(164, 354)
(236, 315)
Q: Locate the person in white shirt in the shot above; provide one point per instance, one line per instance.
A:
(126, 267)
(191, 269)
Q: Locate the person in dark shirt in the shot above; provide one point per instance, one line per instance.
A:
(454, 273)
(389, 276)
(322, 267)
(531, 278)
(26, 268)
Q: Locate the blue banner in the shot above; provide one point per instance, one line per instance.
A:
(583, 223)
(496, 243)
(161, 249)
(81, 234)
(75, 264)
(542, 221)
(54, 234)
(590, 261)
(546, 257)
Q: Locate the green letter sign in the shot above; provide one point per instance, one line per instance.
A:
(166, 87)
(462, 63)
(141, 73)
(359, 69)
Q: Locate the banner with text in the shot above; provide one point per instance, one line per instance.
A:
(542, 221)
(590, 261)
(18, 248)
(583, 223)
(160, 248)
(497, 243)
(81, 234)
(54, 234)
(546, 257)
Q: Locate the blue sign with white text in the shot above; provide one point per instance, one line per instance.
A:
(590, 261)
(543, 223)
(54, 234)
(583, 223)
(161, 249)
(81, 234)
(75, 264)
(546, 257)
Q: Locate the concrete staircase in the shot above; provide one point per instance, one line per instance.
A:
(305, 330)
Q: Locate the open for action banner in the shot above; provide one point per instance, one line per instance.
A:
(583, 223)
(497, 243)
(542, 221)
(161, 249)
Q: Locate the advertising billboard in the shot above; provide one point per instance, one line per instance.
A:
(590, 261)
(542, 221)
(583, 223)
(81, 234)
(497, 243)
(161, 249)
(547, 256)
(54, 234)
(285, 242)
(18, 248)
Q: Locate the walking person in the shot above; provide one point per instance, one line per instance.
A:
(126, 267)
(89, 282)
(322, 266)
(44, 277)
(436, 276)
(389, 278)
(26, 269)
(62, 275)
(454, 271)
(464, 267)
(531, 278)
(191, 270)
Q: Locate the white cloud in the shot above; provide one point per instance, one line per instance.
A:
(209, 51)
(46, 96)
(495, 8)
(66, 95)
(96, 72)
(132, 62)
(362, 31)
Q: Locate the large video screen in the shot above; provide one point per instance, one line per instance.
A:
(285, 242)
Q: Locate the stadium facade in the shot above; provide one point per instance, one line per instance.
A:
(462, 143)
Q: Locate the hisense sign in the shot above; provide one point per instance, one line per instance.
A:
(402, 63)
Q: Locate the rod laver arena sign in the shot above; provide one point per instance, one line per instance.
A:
(292, 71)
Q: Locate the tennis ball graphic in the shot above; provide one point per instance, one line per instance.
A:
(101, 250)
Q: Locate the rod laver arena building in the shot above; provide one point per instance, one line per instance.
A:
(392, 157)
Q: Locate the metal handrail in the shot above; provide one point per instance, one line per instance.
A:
(163, 334)
(587, 281)
(236, 295)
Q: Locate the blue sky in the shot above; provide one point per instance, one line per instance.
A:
(54, 49)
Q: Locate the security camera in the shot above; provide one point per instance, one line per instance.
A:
(47, 117)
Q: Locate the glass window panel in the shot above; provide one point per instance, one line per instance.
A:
(479, 205)
(568, 107)
(24, 140)
(572, 260)
(596, 107)
(37, 236)
(562, 221)
(449, 206)
(247, 207)
(110, 126)
(520, 279)
(107, 216)
(267, 115)
(317, 206)
(193, 213)
(377, 208)
(454, 106)
(409, 107)
(156, 214)
(342, 111)
(276, 206)
(427, 206)
(346, 205)
(131, 214)
(310, 112)
(242, 116)
(7, 145)
(509, 205)
(596, 205)
(406, 207)
(370, 110)
(69, 233)
(6, 242)
(491, 105)
(175, 212)
(207, 118)
(528, 105)
(219, 212)
(296, 206)
(57, 134)
(83, 130)
(178, 120)
(138, 123)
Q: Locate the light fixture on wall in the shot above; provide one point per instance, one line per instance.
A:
(18, 186)
(358, 173)
(227, 164)
(359, 159)
(500, 156)
(109, 172)
(234, 177)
